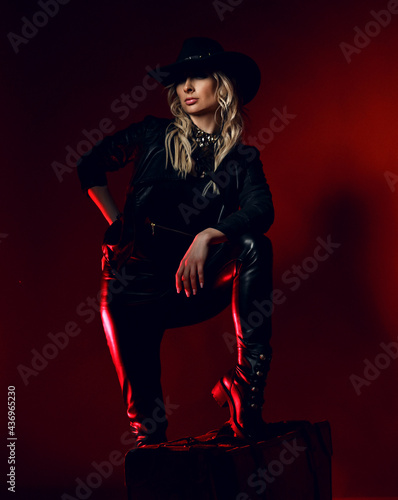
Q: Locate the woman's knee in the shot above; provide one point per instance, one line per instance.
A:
(255, 245)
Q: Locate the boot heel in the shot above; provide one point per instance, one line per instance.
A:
(219, 394)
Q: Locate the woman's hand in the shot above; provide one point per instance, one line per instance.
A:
(190, 271)
(111, 239)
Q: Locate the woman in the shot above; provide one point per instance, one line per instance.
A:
(196, 211)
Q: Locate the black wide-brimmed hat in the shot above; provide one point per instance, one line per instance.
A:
(200, 53)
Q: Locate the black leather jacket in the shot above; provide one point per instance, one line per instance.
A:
(247, 201)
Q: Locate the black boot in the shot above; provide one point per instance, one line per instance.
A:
(145, 408)
(134, 335)
(143, 436)
(242, 388)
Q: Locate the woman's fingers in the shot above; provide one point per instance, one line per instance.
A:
(179, 284)
(187, 278)
(183, 278)
(192, 276)
(190, 272)
(201, 275)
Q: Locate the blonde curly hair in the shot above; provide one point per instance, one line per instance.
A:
(177, 144)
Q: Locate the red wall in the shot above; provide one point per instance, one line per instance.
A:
(333, 172)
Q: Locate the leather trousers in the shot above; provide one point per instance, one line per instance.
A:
(139, 302)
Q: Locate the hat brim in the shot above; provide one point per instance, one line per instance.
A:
(243, 69)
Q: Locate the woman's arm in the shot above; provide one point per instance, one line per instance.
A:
(255, 201)
(113, 152)
(212, 236)
(104, 201)
(256, 214)
(192, 264)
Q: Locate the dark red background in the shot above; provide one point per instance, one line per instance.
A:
(327, 174)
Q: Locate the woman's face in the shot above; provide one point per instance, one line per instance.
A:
(197, 93)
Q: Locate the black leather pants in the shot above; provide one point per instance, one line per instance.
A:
(140, 302)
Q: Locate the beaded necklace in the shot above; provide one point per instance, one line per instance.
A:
(204, 138)
(204, 152)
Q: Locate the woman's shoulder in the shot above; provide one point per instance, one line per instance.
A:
(247, 153)
(157, 119)
(152, 122)
(151, 127)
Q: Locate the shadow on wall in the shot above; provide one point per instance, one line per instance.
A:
(334, 321)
